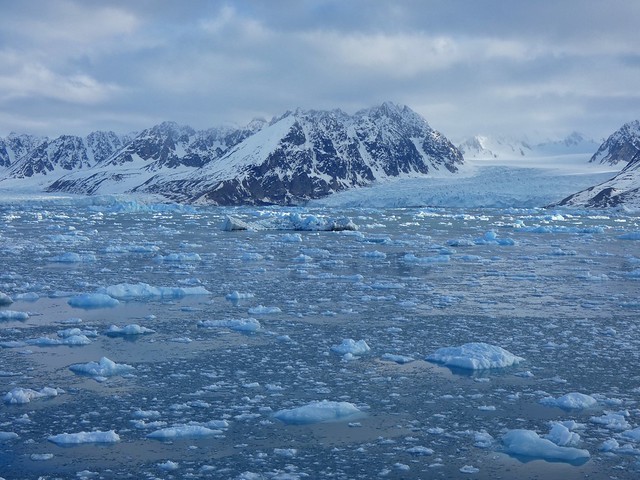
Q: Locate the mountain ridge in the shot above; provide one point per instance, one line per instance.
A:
(300, 155)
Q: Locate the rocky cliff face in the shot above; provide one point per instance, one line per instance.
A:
(621, 146)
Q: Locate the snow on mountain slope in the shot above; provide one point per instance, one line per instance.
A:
(621, 146)
(488, 148)
(296, 157)
(15, 146)
(623, 190)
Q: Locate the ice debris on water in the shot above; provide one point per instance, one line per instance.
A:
(316, 412)
(183, 431)
(475, 356)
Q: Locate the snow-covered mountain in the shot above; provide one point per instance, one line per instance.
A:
(621, 146)
(483, 147)
(624, 188)
(15, 146)
(621, 190)
(298, 156)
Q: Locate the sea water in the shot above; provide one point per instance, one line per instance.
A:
(146, 341)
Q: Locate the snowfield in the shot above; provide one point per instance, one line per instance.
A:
(420, 342)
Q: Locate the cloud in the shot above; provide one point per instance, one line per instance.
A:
(467, 66)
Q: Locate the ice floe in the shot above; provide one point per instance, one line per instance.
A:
(351, 346)
(475, 356)
(131, 329)
(573, 400)
(93, 300)
(109, 436)
(238, 324)
(316, 412)
(20, 396)
(528, 443)
(13, 315)
(183, 431)
(128, 291)
(5, 299)
(102, 369)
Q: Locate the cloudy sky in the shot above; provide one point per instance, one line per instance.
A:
(542, 68)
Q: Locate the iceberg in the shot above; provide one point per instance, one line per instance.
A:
(475, 356)
(316, 412)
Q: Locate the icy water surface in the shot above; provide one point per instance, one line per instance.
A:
(561, 291)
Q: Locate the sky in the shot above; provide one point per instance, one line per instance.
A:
(538, 68)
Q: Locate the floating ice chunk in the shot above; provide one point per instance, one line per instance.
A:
(612, 420)
(411, 258)
(314, 224)
(633, 435)
(233, 224)
(482, 439)
(168, 466)
(72, 340)
(93, 300)
(41, 457)
(70, 257)
(13, 315)
(397, 358)
(291, 238)
(101, 369)
(132, 329)
(5, 299)
(251, 257)
(20, 396)
(125, 291)
(375, 254)
(630, 236)
(285, 452)
(262, 310)
(562, 436)
(85, 437)
(529, 444)
(350, 346)
(183, 431)
(469, 469)
(316, 412)
(238, 324)
(179, 258)
(559, 252)
(573, 400)
(235, 295)
(419, 450)
(6, 436)
(475, 356)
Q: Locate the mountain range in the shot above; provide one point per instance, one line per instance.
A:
(295, 157)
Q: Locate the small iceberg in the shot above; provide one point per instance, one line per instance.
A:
(93, 300)
(528, 443)
(315, 412)
(85, 437)
(102, 369)
(475, 356)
